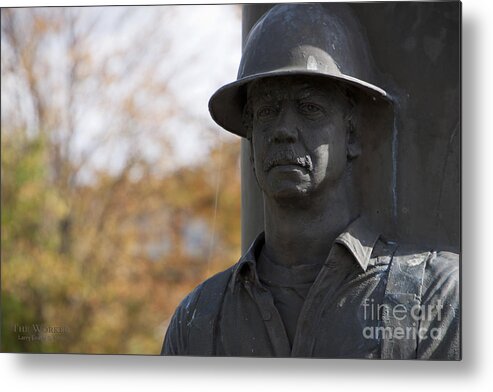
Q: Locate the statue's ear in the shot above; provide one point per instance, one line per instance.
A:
(352, 141)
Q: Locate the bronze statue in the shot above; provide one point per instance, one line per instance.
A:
(321, 281)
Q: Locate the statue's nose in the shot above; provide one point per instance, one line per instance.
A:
(285, 129)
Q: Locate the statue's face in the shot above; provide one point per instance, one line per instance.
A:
(298, 136)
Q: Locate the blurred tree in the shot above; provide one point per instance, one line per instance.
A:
(102, 232)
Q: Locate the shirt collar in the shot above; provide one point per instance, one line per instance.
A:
(358, 239)
(247, 265)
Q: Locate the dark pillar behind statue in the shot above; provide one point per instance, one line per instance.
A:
(252, 213)
(416, 48)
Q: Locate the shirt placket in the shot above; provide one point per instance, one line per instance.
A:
(271, 318)
(320, 296)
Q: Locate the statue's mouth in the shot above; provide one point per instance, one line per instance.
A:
(285, 158)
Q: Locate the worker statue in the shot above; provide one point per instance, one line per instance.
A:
(320, 280)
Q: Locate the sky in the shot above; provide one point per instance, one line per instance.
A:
(192, 51)
(204, 53)
(213, 33)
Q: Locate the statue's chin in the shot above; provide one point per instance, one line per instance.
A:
(294, 199)
(289, 192)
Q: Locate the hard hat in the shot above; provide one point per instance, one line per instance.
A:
(298, 39)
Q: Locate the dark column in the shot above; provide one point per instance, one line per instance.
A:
(252, 204)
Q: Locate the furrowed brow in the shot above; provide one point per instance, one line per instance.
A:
(309, 92)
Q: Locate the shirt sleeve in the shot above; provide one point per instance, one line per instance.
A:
(439, 327)
(191, 330)
(176, 338)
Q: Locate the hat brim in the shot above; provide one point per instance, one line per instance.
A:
(227, 103)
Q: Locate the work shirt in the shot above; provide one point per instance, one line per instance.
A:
(340, 316)
(289, 287)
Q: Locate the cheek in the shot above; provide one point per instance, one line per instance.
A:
(257, 152)
(322, 157)
(337, 143)
(338, 151)
(331, 156)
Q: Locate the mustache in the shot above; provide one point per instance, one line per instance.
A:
(288, 158)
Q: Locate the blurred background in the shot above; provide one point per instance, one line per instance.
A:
(118, 192)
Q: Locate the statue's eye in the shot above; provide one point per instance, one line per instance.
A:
(310, 109)
(265, 112)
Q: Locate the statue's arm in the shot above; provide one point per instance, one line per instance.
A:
(191, 331)
(176, 338)
(441, 302)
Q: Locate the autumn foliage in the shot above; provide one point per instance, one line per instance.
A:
(102, 252)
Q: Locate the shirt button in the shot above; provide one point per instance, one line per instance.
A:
(266, 316)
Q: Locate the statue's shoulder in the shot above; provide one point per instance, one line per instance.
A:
(438, 272)
(437, 262)
(442, 278)
(191, 330)
(444, 262)
(207, 294)
(427, 280)
(423, 271)
(212, 289)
